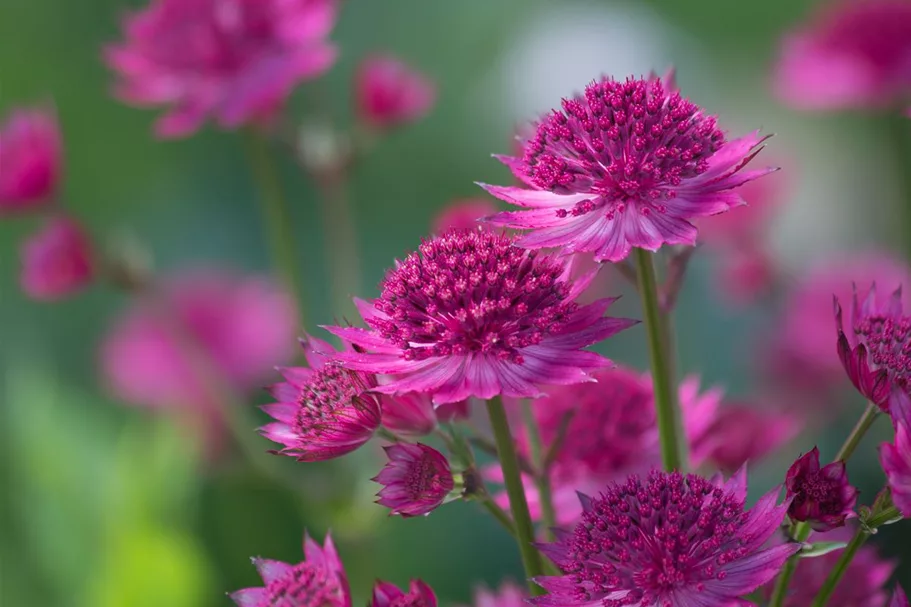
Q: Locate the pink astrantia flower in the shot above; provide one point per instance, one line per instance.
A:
(388, 595)
(463, 214)
(471, 314)
(822, 497)
(318, 580)
(324, 411)
(30, 157)
(896, 461)
(732, 439)
(854, 53)
(876, 351)
(627, 164)
(507, 595)
(416, 480)
(233, 61)
(388, 92)
(898, 598)
(57, 261)
(667, 540)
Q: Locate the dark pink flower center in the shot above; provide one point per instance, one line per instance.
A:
(819, 491)
(622, 142)
(888, 342)
(649, 539)
(428, 479)
(879, 32)
(331, 394)
(472, 292)
(306, 585)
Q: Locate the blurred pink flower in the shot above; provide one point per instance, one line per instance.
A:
(416, 479)
(235, 61)
(898, 598)
(389, 93)
(508, 594)
(30, 159)
(627, 164)
(853, 53)
(317, 580)
(896, 461)
(732, 440)
(464, 214)
(56, 261)
(820, 496)
(388, 595)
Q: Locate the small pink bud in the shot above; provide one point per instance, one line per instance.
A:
(417, 479)
(821, 497)
(56, 261)
(30, 159)
(390, 93)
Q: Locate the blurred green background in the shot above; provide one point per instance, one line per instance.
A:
(106, 505)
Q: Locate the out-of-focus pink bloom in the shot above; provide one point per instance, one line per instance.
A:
(854, 53)
(898, 598)
(56, 261)
(324, 411)
(507, 595)
(389, 92)
(732, 439)
(896, 462)
(409, 415)
(463, 215)
(236, 62)
(691, 543)
(388, 595)
(746, 274)
(318, 580)
(471, 314)
(627, 164)
(30, 159)
(416, 480)
(876, 351)
(822, 497)
(448, 412)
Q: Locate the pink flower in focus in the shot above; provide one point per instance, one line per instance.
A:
(690, 543)
(388, 595)
(896, 462)
(30, 159)
(236, 62)
(416, 480)
(389, 93)
(628, 164)
(318, 580)
(322, 412)
(471, 314)
(732, 440)
(855, 53)
(507, 595)
(822, 497)
(898, 598)
(463, 215)
(57, 261)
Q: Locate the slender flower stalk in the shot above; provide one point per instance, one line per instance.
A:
(659, 354)
(525, 533)
(542, 474)
(857, 433)
(278, 218)
(341, 239)
(841, 566)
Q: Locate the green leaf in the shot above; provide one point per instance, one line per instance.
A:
(820, 548)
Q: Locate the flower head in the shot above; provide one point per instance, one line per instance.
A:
(896, 461)
(416, 480)
(732, 440)
(233, 61)
(318, 581)
(463, 214)
(667, 540)
(30, 155)
(627, 164)
(821, 497)
(507, 595)
(853, 54)
(389, 93)
(388, 595)
(57, 261)
(324, 411)
(471, 314)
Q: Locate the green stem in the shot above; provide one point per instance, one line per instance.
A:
(898, 136)
(542, 475)
(498, 513)
(840, 567)
(512, 478)
(669, 345)
(857, 433)
(341, 241)
(660, 363)
(275, 206)
(800, 532)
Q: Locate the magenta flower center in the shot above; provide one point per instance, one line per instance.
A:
(472, 292)
(622, 142)
(817, 489)
(888, 342)
(330, 393)
(306, 585)
(649, 539)
(426, 479)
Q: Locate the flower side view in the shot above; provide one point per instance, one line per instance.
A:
(417, 479)
(388, 595)
(322, 412)
(236, 62)
(896, 461)
(627, 164)
(471, 314)
(57, 261)
(318, 580)
(822, 497)
(31, 157)
(667, 540)
(389, 93)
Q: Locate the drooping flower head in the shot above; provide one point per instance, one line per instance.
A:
(820, 496)
(30, 157)
(324, 411)
(853, 54)
(57, 261)
(667, 540)
(388, 595)
(463, 214)
(318, 581)
(508, 594)
(417, 479)
(235, 61)
(876, 349)
(627, 164)
(471, 314)
(388, 92)
(896, 461)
